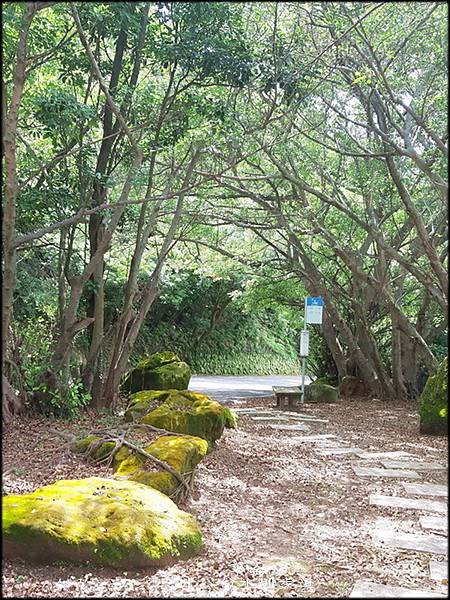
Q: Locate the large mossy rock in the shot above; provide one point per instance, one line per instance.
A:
(160, 371)
(103, 521)
(320, 393)
(434, 402)
(183, 453)
(182, 412)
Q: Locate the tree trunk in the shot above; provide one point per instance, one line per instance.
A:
(398, 380)
(11, 403)
(96, 294)
(11, 184)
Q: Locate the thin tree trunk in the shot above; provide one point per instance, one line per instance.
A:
(96, 294)
(151, 291)
(401, 391)
(333, 343)
(11, 183)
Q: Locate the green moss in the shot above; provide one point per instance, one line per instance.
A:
(144, 401)
(160, 371)
(327, 380)
(81, 447)
(434, 402)
(231, 418)
(181, 453)
(320, 392)
(108, 522)
(185, 412)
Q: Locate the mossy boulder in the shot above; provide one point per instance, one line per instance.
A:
(434, 402)
(327, 379)
(144, 401)
(160, 371)
(99, 451)
(103, 521)
(181, 411)
(320, 393)
(183, 453)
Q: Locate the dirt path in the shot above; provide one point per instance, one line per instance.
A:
(278, 518)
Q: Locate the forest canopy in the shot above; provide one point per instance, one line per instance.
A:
(179, 175)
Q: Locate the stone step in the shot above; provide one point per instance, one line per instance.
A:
(248, 409)
(439, 570)
(269, 418)
(425, 489)
(413, 464)
(376, 455)
(369, 589)
(410, 503)
(432, 522)
(319, 438)
(299, 416)
(337, 451)
(379, 472)
(296, 427)
(411, 541)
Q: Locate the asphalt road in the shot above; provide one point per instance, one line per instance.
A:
(226, 388)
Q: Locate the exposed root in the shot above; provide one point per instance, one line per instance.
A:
(118, 437)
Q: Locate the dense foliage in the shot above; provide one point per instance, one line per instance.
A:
(179, 175)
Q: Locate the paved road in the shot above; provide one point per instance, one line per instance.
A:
(226, 388)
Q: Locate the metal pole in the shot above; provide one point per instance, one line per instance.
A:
(305, 328)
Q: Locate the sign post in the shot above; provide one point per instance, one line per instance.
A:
(313, 315)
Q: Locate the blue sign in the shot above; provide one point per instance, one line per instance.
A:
(314, 301)
(314, 310)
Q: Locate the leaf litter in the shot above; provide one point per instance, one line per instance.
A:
(278, 519)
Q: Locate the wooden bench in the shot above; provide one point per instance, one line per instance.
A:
(287, 398)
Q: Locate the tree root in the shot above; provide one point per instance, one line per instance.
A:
(118, 437)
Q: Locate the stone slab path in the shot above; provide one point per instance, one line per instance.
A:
(368, 589)
(439, 570)
(377, 455)
(410, 541)
(425, 489)
(337, 451)
(319, 438)
(269, 418)
(436, 523)
(411, 503)
(297, 427)
(413, 464)
(396, 464)
(379, 472)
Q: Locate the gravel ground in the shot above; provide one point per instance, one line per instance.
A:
(278, 520)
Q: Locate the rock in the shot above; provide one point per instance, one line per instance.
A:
(105, 522)
(183, 453)
(353, 386)
(160, 371)
(434, 403)
(99, 452)
(327, 379)
(182, 412)
(320, 392)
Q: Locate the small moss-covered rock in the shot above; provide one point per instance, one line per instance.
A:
(160, 371)
(183, 453)
(182, 411)
(434, 402)
(327, 379)
(320, 392)
(103, 521)
(82, 446)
